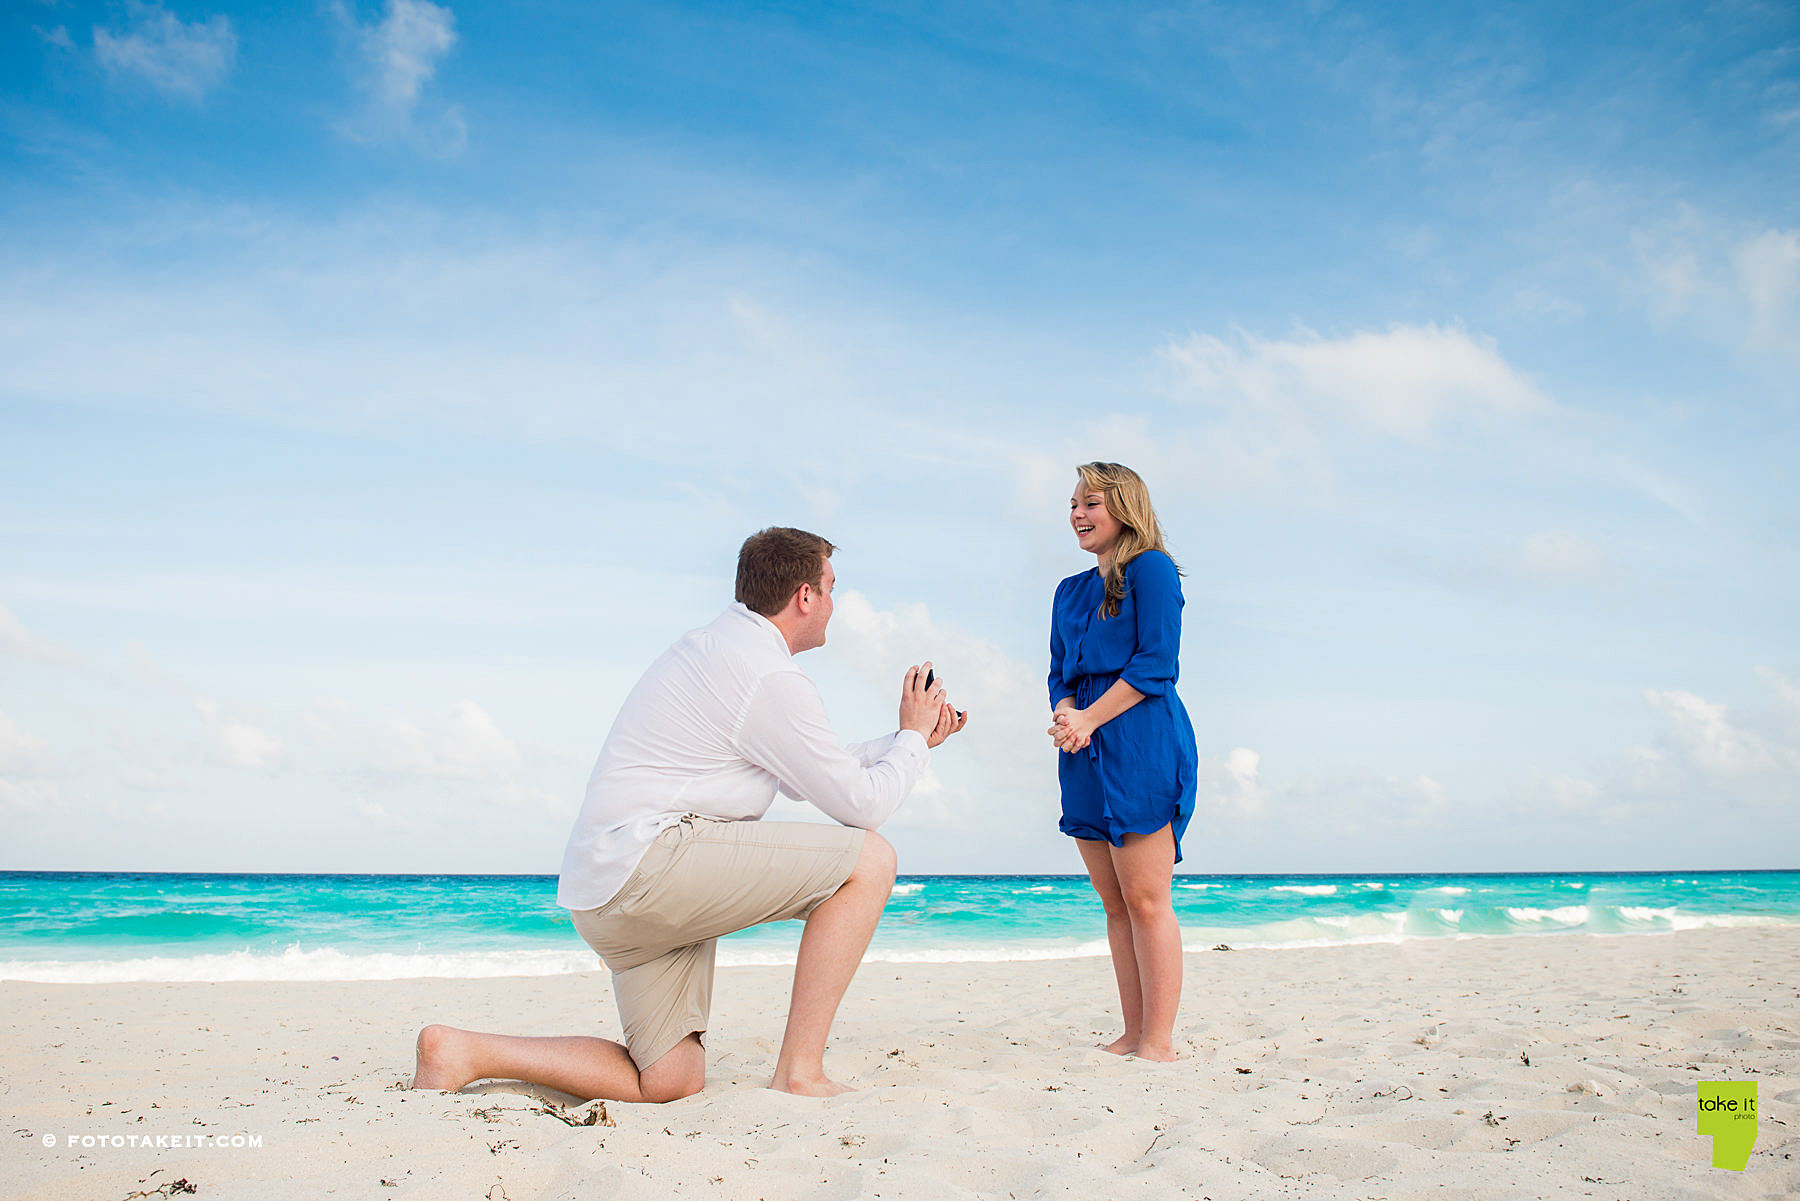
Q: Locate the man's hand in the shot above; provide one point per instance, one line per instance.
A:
(921, 708)
(949, 722)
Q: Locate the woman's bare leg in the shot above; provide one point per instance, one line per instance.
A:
(1097, 856)
(450, 1059)
(1145, 867)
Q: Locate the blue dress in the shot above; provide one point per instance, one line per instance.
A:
(1137, 774)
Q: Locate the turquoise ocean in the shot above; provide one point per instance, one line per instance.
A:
(92, 926)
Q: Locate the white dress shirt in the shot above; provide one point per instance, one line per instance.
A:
(716, 725)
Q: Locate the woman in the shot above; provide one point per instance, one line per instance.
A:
(1128, 762)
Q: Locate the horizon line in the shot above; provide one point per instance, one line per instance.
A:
(1590, 871)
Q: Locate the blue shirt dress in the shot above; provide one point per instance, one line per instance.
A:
(1137, 774)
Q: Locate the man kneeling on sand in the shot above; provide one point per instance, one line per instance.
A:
(668, 852)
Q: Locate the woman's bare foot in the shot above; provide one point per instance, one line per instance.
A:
(442, 1060)
(1157, 1054)
(815, 1086)
(1125, 1044)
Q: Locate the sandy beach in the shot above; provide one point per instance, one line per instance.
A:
(1558, 1066)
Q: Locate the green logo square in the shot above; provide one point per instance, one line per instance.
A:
(1726, 1109)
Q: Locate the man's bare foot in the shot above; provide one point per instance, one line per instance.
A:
(442, 1062)
(813, 1086)
(1125, 1044)
(1162, 1054)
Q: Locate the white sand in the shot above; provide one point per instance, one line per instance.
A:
(1374, 1071)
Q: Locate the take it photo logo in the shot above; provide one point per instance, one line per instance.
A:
(1726, 1110)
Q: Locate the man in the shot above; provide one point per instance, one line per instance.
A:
(668, 852)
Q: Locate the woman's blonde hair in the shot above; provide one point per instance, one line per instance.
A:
(1128, 500)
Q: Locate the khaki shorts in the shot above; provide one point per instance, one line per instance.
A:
(700, 879)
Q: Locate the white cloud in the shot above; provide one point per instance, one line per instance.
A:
(1731, 284)
(1671, 277)
(882, 641)
(997, 773)
(1706, 750)
(1703, 754)
(1643, 771)
(1561, 557)
(1541, 302)
(25, 761)
(1232, 784)
(234, 742)
(182, 59)
(397, 56)
(461, 743)
(378, 816)
(1787, 695)
(397, 319)
(1348, 805)
(1404, 381)
(1271, 416)
(22, 797)
(460, 747)
(22, 755)
(1553, 558)
(1768, 276)
(995, 786)
(1270, 452)
(17, 641)
(1569, 792)
(1705, 733)
(1537, 796)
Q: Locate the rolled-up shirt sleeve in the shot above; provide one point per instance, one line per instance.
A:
(786, 733)
(1156, 598)
(1058, 688)
(873, 751)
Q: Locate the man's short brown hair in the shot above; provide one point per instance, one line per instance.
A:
(773, 563)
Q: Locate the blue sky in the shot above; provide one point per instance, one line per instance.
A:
(382, 386)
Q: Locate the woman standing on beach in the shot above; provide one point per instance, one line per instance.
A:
(1128, 757)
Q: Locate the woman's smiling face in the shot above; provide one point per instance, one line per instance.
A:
(1095, 529)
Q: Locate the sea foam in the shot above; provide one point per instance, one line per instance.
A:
(1325, 930)
(1568, 915)
(326, 963)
